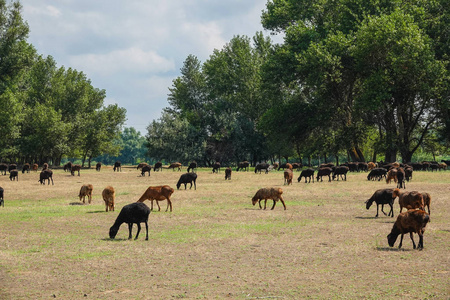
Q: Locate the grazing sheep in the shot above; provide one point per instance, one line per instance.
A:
(434, 167)
(13, 174)
(3, 168)
(158, 193)
(46, 175)
(98, 166)
(442, 166)
(401, 178)
(243, 165)
(68, 167)
(134, 213)
(192, 166)
(275, 166)
(377, 173)
(391, 175)
(297, 166)
(216, 167)
(12, 167)
(157, 167)
(75, 168)
(2, 202)
(288, 175)
(45, 166)
(371, 165)
(26, 167)
(268, 193)
(409, 221)
(86, 191)
(382, 197)
(35, 167)
(409, 200)
(146, 168)
(285, 166)
(228, 173)
(262, 166)
(117, 166)
(174, 166)
(426, 201)
(141, 165)
(339, 172)
(307, 173)
(109, 196)
(352, 167)
(187, 178)
(326, 165)
(324, 172)
(408, 173)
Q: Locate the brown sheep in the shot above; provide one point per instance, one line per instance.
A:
(141, 165)
(26, 168)
(174, 166)
(68, 166)
(98, 166)
(409, 200)
(288, 175)
(75, 168)
(157, 166)
(35, 167)
(117, 166)
(409, 221)
(371, 165)
(45, 166)
(158, 193)
(243, 165)
(268, 193)
(276, 166)
(426, 201)
(442, 166)
(216, 167)
(86, 190)
(391, 175)
(228, 173)
(109, 196)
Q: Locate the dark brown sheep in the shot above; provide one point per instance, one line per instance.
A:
(268, 193)
(75, 168)
(192, 167)
(109, 196)
(307, 173)
(382, 197)
(46, 175)
(216, 167)
(324, 172)
(98, 166)
(175, 165)
(243, 166)
(288, 175)
(86, 191)
(13, 174)
(409, 200)
(411, 221)
(157, 166)
(26, 168)
(228, 172)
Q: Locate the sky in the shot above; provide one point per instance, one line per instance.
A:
(134, 49)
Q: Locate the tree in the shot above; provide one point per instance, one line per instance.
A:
(133, 146)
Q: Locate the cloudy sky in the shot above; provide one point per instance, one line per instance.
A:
(134, 49)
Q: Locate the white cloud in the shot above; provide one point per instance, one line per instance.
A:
(131, 60)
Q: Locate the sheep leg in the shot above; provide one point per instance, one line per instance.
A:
(329, 178)
(420, 245)
(130, 227)
(265, 203)
(391, 212)
(412, 239)
(282, 201)
(139, 230)
(169, 203)
(377, 212)
(382, 209)
(195, 185)
(191, 185)
(401, 241)
(274, 202)
(146, 230)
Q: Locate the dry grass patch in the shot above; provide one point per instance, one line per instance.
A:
(215, 244)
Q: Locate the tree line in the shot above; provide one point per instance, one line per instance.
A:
(48, 112)
(367, 80)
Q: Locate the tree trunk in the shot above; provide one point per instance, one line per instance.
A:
(337, 160)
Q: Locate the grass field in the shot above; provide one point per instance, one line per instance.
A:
(215, 244)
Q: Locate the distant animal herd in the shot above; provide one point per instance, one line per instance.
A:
(414, 220)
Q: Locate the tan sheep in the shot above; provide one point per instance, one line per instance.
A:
(268, 193)
(158, 193)
(86, 190)
(109, 196)
(392, 175)
(288, 175)
(426, 201)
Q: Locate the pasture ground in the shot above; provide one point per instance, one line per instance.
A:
(215, 244)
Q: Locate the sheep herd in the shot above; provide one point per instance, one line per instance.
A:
(414, 220)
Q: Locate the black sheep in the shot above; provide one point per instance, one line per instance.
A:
(243, 165)
(382, 197)
(192, 166)
(324, 172)
(409, 221)
(26, 167)
(377, 173)
(46, 175)
(2, 202)
(401, 178)
(3, 168)
(157, 166)
(117, 166)
(308, 173)
(132, 213)
(228, 173)
(146, 168)
(262, 166)
(216, 167)
(339, 171)
(98, 166)
(187, 178)
(13, 174)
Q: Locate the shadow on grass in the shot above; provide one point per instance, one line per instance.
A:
(95, 212)
(76, 203)
(366, 218)
(122, 240)
(392, 249)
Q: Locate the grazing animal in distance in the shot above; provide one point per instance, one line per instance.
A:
(98, 166)
(109, 196)
(68, 167)
(3, 168)
(339, 172)
(243, 165)
(12, 167)
(158, 193)
(144, 169)
(401, 178)
(288, 175)
(157, 166)
(192, 167)
(411, 221)
(75, 168)
(26, 168)
(307, 173)
(13, 174)
(134, 213)
(371, 165)
(35, 167)
(46, 175)
(86, 191)
(382, 197)
(377, 173)
(187, 178)
(326, 171)
(262, 166)
(117, 166)
(216, 167)
(175, 165)
(426, 201)
(141, 165)
(228, 172)
(268, 193)
(2, 201)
